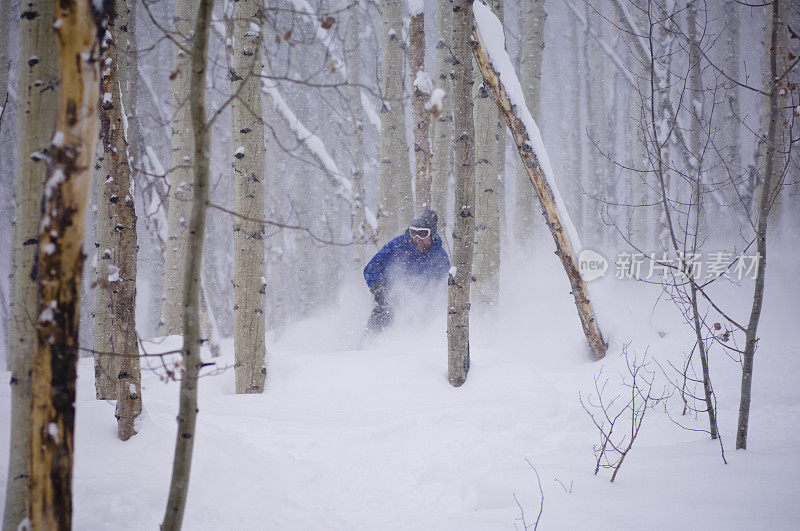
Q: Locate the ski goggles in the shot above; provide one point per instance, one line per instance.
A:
(419, 232)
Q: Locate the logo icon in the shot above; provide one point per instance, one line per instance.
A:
(592, 265)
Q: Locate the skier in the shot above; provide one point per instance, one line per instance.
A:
(414, 262)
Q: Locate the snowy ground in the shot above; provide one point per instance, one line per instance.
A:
(377, 439)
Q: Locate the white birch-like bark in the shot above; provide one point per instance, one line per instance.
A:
(592, 176)
(459, 280)
(59, 263)
(731, 120)
(353, 58)
(442, 135)
(104, 364)
(576, 127)
(394, 187)
(11, 10)
(249, 277)
(421, 90)
(117, 373)
(187, 412)
(37, 102)
(5, 56)
(778, 40)
(490, 139)
(180, 176)
(527, 206)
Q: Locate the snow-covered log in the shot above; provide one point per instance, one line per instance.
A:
(496, 66)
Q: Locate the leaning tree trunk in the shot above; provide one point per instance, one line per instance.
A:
(464, 227)
(36, 107)
(115, 342)
(187, 412)
(771, 170)
(394, 187)
(527, 206)
(442, 167)
(490, 133)
(249, 269)
(421, 88)
(60, 267)
(180, 176)
(519, 121)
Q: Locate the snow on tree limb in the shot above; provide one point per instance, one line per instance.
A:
(500, 76)
(310, 141)
(615, 58)
(313, 144)
(325, 38)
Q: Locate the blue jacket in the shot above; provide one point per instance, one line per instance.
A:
(401, 262)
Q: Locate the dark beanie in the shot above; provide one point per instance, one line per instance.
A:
(426, 219)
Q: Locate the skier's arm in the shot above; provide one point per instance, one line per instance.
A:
(376, 268)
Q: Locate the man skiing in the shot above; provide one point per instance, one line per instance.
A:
(413, 262)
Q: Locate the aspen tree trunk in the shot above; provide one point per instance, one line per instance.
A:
(592, 176)
(129, 85)
(442, 168)
(37, 104)
(60, 266)
(353, 59)
(249, 277)
(527, 206)
(180, 176)
(105, 363)
(772, 169)
(394, 187)
(546, 195)
(576, 126)
(779, 41)
(697, 112)
(490, 134)
(464, 227)
(732, 114)
(187, 412)
(421, 87)
(5, 56)
(115, 292)
(6, 168)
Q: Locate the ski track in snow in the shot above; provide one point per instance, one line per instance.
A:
(377, 439)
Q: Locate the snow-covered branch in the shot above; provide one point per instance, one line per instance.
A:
(314, 145)
(325, 38)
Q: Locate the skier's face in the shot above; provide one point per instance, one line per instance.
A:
(422, 244)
